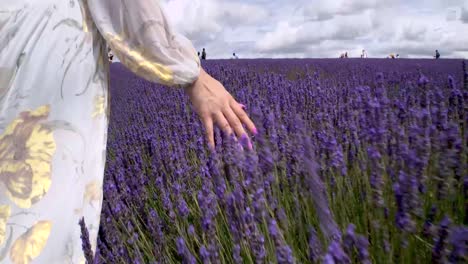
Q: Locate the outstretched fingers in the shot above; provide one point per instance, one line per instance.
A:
(234, 122)
(242, 116)
(209, 133)
(223, 123)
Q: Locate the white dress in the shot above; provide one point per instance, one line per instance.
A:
(54, 112)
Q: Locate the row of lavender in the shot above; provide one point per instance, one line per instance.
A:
(356, 161)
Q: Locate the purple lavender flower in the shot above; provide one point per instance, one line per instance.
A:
(155, 227)
(237, 254)
(423, 80)
(336, 254)
(428, 224)
(328, 259)
(317, 192)
(85, 242)
(465, 194)
(459, 242)
(440, 243)
(191, 230)
(253, 235)
(204, 254)
(184, 252)
(351, 240)
(282, 218)
(315, 246)
(283, 251)
(183, 208)
(402, 190)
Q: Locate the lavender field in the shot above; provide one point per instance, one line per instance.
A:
(356, 161)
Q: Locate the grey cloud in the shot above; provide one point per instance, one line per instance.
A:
(237, 14)
(358, 6)
(451, 15)
(317, 12)
(464, 15)
(414, 33)
(294, 48)
(349, 32)
(455, 44)
(319, 17)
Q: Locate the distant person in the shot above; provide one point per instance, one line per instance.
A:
(437, 56)
(234, 56)
(203, 54)
(392, 56)
(398, 56)
(198, 53)
(364, 54)
(346, 55)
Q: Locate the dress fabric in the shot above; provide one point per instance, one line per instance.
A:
(54, 112)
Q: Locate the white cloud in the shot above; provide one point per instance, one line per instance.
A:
(322, 28)
(237, 13)
(283, 36)
(323, 10)
(205, 19)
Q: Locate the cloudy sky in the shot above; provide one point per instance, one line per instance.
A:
(323, 28)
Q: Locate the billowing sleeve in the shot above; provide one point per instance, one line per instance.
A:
(141, 36)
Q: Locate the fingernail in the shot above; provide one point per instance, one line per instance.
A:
(243, 106)
(241, 147)
(255, 131)
(250, 145)
(211, 146)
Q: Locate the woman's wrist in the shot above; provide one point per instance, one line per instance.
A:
(200, 76)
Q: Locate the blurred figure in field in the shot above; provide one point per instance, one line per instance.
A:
(198, 54)
(234, 56)
(341, 55)
(364, 54)
(203, 54)
(391, 56)
(398, 56)
(437, 56)
(346, 55)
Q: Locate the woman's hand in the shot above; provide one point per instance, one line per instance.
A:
(215, 105)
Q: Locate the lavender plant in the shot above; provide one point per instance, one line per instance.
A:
(356, 161)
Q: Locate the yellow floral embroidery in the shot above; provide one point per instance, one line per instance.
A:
(30, 244)
(5, 212)
(84, 14)
(137, 62)
(87, 22)
(26, 150)
(78, 211)
(99, 105)
(93, 192)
